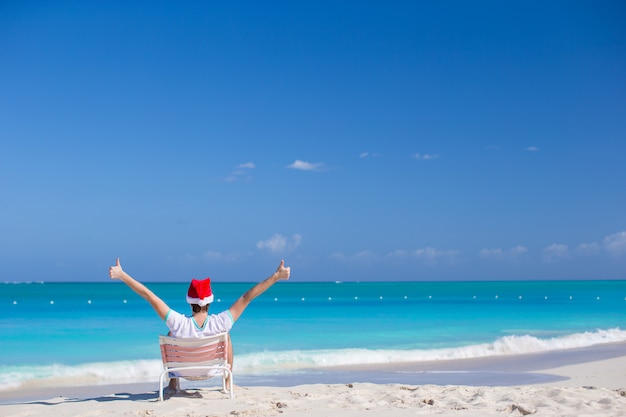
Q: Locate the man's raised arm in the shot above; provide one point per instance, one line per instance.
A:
(282, 272)
(116, 272)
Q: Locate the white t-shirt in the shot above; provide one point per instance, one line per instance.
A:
(184, 326)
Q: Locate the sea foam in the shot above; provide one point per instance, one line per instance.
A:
(508, 345)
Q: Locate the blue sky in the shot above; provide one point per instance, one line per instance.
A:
(390, 140)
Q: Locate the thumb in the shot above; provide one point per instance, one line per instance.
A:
(117, 262)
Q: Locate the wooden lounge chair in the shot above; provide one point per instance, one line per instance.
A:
(196, 359)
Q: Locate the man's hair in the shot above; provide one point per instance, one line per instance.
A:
(197, 309)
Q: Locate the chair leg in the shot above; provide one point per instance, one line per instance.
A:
(227, 383)
(176, 384)
(231, 382)
(161, 387)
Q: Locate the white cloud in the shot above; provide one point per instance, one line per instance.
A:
(241, 171)
(587, 249)
(491, 253)
(510, 254)
(279, 243)
(398, 253)
(215, 256)
(306, 166)
(556, 251)
(425, 156)
(338, 256)
(247, 165)
(368, 155)
(363, 258)
(431, 255)
(531, 149)
(366, 255)
(427, 255)
(276, 243)
(518, 250)
(615, 244)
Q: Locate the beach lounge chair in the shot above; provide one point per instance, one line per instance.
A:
(196, 359)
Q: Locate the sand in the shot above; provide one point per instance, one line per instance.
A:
(589, 387)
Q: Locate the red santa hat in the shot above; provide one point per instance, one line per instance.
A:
(200, 292)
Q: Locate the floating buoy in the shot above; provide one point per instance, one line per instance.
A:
(380, 298)
(275, 299)
(520, 297)
(302, 298)
(406, 298)
(356, 298)
(51, 301)
(219, 300)
(88, 301)
(14, 302)
(330, 298)
(125, 301)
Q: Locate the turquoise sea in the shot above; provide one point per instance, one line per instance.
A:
(99, 333)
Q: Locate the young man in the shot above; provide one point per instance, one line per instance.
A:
(199, 296)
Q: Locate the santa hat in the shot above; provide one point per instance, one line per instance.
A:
(200, 292)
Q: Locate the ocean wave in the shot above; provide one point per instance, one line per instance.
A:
(295, 360)
(508, 345)
(95, 373)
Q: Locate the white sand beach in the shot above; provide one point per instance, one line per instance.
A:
(592, 388)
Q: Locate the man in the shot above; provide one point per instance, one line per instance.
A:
(199, 296)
